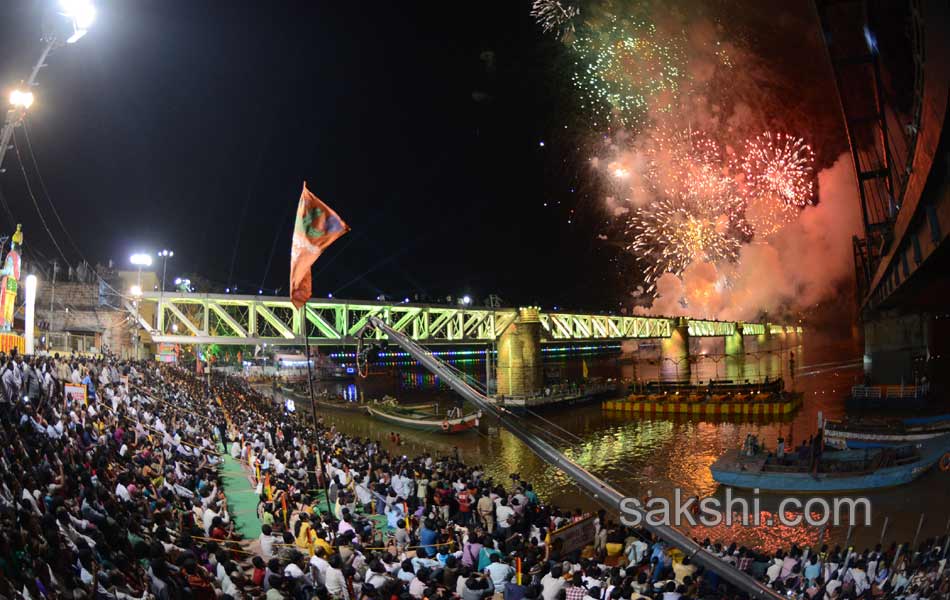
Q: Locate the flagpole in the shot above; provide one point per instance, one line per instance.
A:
(315, 228)
(313, 413)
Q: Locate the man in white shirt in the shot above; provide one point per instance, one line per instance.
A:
(504, 513)
(860, 578)
(210, 514)
(319, 566)
(831, 587)
(552, 583)
(774, 570)
(334, 580)
(499, 572)
(122, 492)
(293, 570)
(267, 541)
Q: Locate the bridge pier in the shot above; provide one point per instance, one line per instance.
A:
(763, 341)
(735, 345)
(735, 354)
(674, 350)
(519, 370)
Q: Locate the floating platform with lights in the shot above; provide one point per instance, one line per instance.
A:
(713, 400)
(741, 406)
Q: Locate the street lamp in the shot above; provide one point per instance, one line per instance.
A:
(21, 99)
(81, 14)
(165, 255)
(140, 260)
(466, 299)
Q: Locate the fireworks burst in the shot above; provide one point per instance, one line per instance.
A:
(625, 69)
(782, 166)
(670, 234)
(778, 170)
(705, 207)
(554, 16)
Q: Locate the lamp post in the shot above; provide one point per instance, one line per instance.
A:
(165, 254)
(80, 14)
(136, 291)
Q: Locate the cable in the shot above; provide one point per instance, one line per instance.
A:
(6, 208)
(29, 188)
(49, 199)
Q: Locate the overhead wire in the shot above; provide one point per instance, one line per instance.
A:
(6, 209)
(29, 189)
(49, 199)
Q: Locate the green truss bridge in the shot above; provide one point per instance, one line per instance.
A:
(189, 318)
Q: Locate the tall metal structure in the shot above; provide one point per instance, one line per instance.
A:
(891, 61)
(880, 100)
(892, 70)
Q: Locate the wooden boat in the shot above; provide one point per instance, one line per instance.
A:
(836, 471)
(869, 434)
(423, 420)
(303, 399)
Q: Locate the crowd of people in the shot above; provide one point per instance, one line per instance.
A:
(118, 493)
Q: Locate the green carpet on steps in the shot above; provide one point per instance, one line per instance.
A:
(242, 500)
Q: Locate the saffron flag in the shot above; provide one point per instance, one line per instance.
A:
(316, 227)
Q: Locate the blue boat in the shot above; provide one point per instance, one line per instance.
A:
(863, 433)
(836, 470)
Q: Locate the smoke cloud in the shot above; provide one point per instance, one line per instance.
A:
(794, 269)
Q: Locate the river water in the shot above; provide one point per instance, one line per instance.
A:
(641, 455)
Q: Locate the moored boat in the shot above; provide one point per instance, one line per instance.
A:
(865, 433)
(423, 420)
(326, 402)
(834, 470)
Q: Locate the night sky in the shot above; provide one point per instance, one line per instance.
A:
(190, 125)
